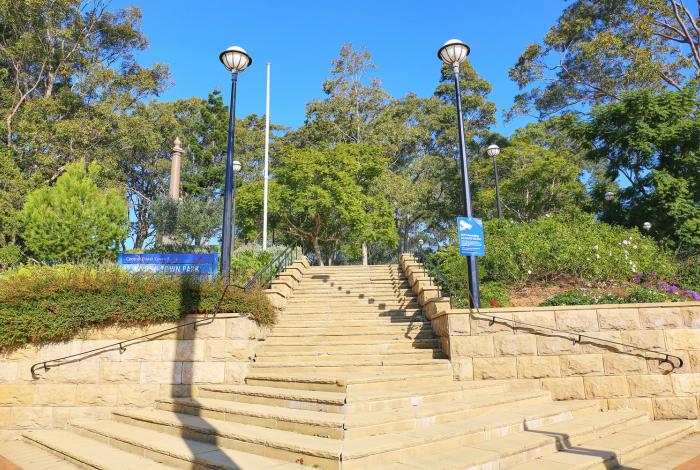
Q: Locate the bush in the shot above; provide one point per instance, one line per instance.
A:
(48, 304)
(642, 295)
(249, 259)
(689, 273)
(581, 297)
(564, 246)
(494, 294)
(10, 256)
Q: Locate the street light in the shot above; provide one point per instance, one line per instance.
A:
(646, 226)
(609, 196)
(492, 151)
(235, 59)
(453, 52)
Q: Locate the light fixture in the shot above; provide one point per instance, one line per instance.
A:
(609, 196)
(646, 226)
(493, 150)
(236, 59)
(236, 166)
(453, 52)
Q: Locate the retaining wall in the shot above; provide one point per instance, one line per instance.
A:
(483, 348)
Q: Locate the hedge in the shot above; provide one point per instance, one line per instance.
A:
(49, 304)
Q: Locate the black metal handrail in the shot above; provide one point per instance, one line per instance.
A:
(279, 263)
(273, 268)
(577, 337)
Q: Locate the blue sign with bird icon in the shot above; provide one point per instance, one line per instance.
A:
(470, 231)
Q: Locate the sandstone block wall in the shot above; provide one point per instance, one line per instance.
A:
(482, 348)
(217, 351)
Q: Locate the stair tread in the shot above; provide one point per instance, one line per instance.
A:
(91, 452)
(280, 439)
(319, 418)
(184, 449)
(354, 362)
(25, 455)
(284, 393)
(346, 377)
(413, 390)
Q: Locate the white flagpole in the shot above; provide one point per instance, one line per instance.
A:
(267, 152)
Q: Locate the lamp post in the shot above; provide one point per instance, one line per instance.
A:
(493, 151)
(235, 59)
(609, 196)
(646, 226)
(453, 52)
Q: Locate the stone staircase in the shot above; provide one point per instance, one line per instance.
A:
(352, 377)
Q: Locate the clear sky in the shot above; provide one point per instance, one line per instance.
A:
(301, 37)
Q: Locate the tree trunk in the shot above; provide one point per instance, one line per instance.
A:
(141, 235)
(317, 251)
(365, 255)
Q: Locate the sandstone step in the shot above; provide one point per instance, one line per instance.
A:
(346, 382)
(314, 423)
(313, 339)
(419, 417)
(378, 288)
(350, 307)
(24, 455)
(617, 449)
(89, 453)
(349, 296)
(683, 454)
(351, 358)
(352, 330)
(330, 402)
(406, 367)
(353, 346)
(284, 445)
(292, 322)
(326, 314)
(494, 440)
(175, 450)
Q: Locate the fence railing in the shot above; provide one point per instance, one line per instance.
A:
(445, 287)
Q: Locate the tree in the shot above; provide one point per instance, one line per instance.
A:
(329, 202)
(649, 142)
(190, 220)
(12, 189)
(74, 220)
(599, 49)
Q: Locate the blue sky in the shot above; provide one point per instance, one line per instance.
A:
(300, 38)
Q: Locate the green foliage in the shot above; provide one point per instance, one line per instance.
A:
(493, 294)
(581, 297)
(10, 256)
(192, 219)
(50, 304)
(640, 295)
(247, 260)
(689, 273)
(74, 220)
(650, 140)
(562, 246)
(12, 189)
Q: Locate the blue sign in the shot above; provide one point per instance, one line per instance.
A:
(196, 264)
(470, 231)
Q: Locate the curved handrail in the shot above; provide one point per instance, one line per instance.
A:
(577, 336)
(272, 268)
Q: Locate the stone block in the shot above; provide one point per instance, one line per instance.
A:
(236, 372)
(618, 318)
(161, 372)
(577, 320)
(640, 404)
(514, 345)
(568, 388)
(144, 351)
(495, 368)
(459, 324)
(691, 316)
(675, 408)
(537, 367)
(605, 387)
(538, 318)
(686, 384)
(463, 368)
(624, 364)
(16, 394)
(656, 364)
(55, 394)
(660, 318)
(557, 345)
(55, 350)
(62, 416)
(120, 372)
(436, 307)
(9, 371)
(471, 346)
(581, 364)
(650, 385)
(100, 395)
(482, 324)
(243, 328)
(683, 339)
(203, 372)
(648, 339)
(276, 299)
(228, 349)
(693, 361)
(184, 350)
(597, 343)
(428, 293)
(137, 395)
(31, 417)
(440, 325)
(214, 328)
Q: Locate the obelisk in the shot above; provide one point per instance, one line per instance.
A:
(175, 170)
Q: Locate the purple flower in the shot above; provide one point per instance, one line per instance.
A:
(638, 278)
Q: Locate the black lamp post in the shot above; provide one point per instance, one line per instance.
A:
(453, 52)
(235, 59)
(493, 151)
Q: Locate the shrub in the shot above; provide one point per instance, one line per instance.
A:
(581, 297)
(641, 295)
(10, 256)
(494, 294)
(74, 220)
(562, 246)
(48, 304)
(689, 273)
(249, 259)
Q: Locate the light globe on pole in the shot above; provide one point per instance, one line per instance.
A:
(453, 52)
(235, 59)
(609, 196)
(236, 166)
(493, 150)
(646, 226)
